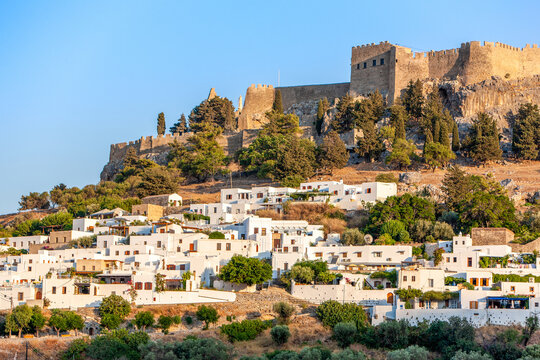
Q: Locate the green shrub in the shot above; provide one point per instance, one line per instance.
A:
(216, 235)
(332, 312)
(177, 319)
(245, 330)
(284, 311)
(111, 321)
(188, 320)
(208, 314)
(280, 334)
(144, 319)
(189, 349)
(75, 350)
(386, 178)
(348, 354)
(165, 322)
(531, 352)
(413, 352)
(117, 344)
(473, 355)
(345, 333)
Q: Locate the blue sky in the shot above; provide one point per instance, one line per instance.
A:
(76, 76)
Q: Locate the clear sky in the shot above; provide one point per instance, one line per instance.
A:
(76, 76)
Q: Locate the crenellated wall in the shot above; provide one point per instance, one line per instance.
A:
(389, 68)
(258, 101)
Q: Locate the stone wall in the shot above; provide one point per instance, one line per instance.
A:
(292, 95)
(258, 101)
(473, 62)
(491, 236)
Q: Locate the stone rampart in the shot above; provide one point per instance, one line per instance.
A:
(259, 100)
(291, 95)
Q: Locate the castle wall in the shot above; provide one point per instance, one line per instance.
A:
(291, 95)
(371, 69)
(472, 63)
(258, 101)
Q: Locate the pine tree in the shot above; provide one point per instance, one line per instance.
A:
(436, 130)
(345, 115)
(180, 127)
(413, 99)
(526, 140)
(444, 138)
(333, 153)
(278, 103)
(485, 139)
(456, 185)
(161, 124)
(455, 138)
(369, 145)
(398, 118)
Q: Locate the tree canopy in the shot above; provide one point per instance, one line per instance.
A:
(244, 270)
(217, 111)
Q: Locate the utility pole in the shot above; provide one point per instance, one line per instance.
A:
(27, 350)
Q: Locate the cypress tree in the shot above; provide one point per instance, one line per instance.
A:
(180, 127)
(444, 138)
(485, 139)
(278, 104)
(526, 140)
(429, 139)
(455, 138)
(436, 130)
(161, 124)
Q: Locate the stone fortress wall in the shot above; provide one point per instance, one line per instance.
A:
(389, 68)
(258, 101)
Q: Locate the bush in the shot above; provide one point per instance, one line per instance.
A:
(473, 355)
(413, 352)
(245, 330)
(244, 270)
(216, 235)
(75, 350)
(389, 334)
(110, 321)
(117, 344)
(177, 319)
(165, 322)
(207, 314)
(115, 304)
(332, 312)
(345, 333)
(348, 354)
(190, 348)
(531, 352)
(144, 319)
(386, 178)
(280, 334)
(188, 320)
(302, 274)
(284, 311)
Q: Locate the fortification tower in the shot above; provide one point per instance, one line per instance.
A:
(258, 100)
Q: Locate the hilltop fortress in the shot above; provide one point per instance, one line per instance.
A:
(478, 76)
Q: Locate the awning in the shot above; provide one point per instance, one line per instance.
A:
(507, 298)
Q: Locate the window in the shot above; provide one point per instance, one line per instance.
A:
(54, 289)
(136, 252)
(295, 249)
(413, 278)
(474, 281)
(455, 259)
(228, 197)
(469, 262)
(318, 254)
(64, 290)
(531, 289)
(218, 246)
(382, 61)
(93, 267)
(365, 65)
(30, 261)
(29, 268)
(344, 254)
(126, 252)
(286, 266)
(171, 267)
(374, 62)
(485, 282)
(430, 282)
(147, 286)
(357, 66)
(117, 252)
(20, 296)
(138, 286)
(473, 304)
(263, 231)
(159, 244)
(256, 230)
(228, 246)
(405, 278)
(84, 267)
(215, 210)
(259, 195)
(368, 191)
(359, 254)
(286, 249)
(512, 288)
(183, 267)
(377, 254)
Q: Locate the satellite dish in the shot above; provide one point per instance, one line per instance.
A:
(368, 239)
